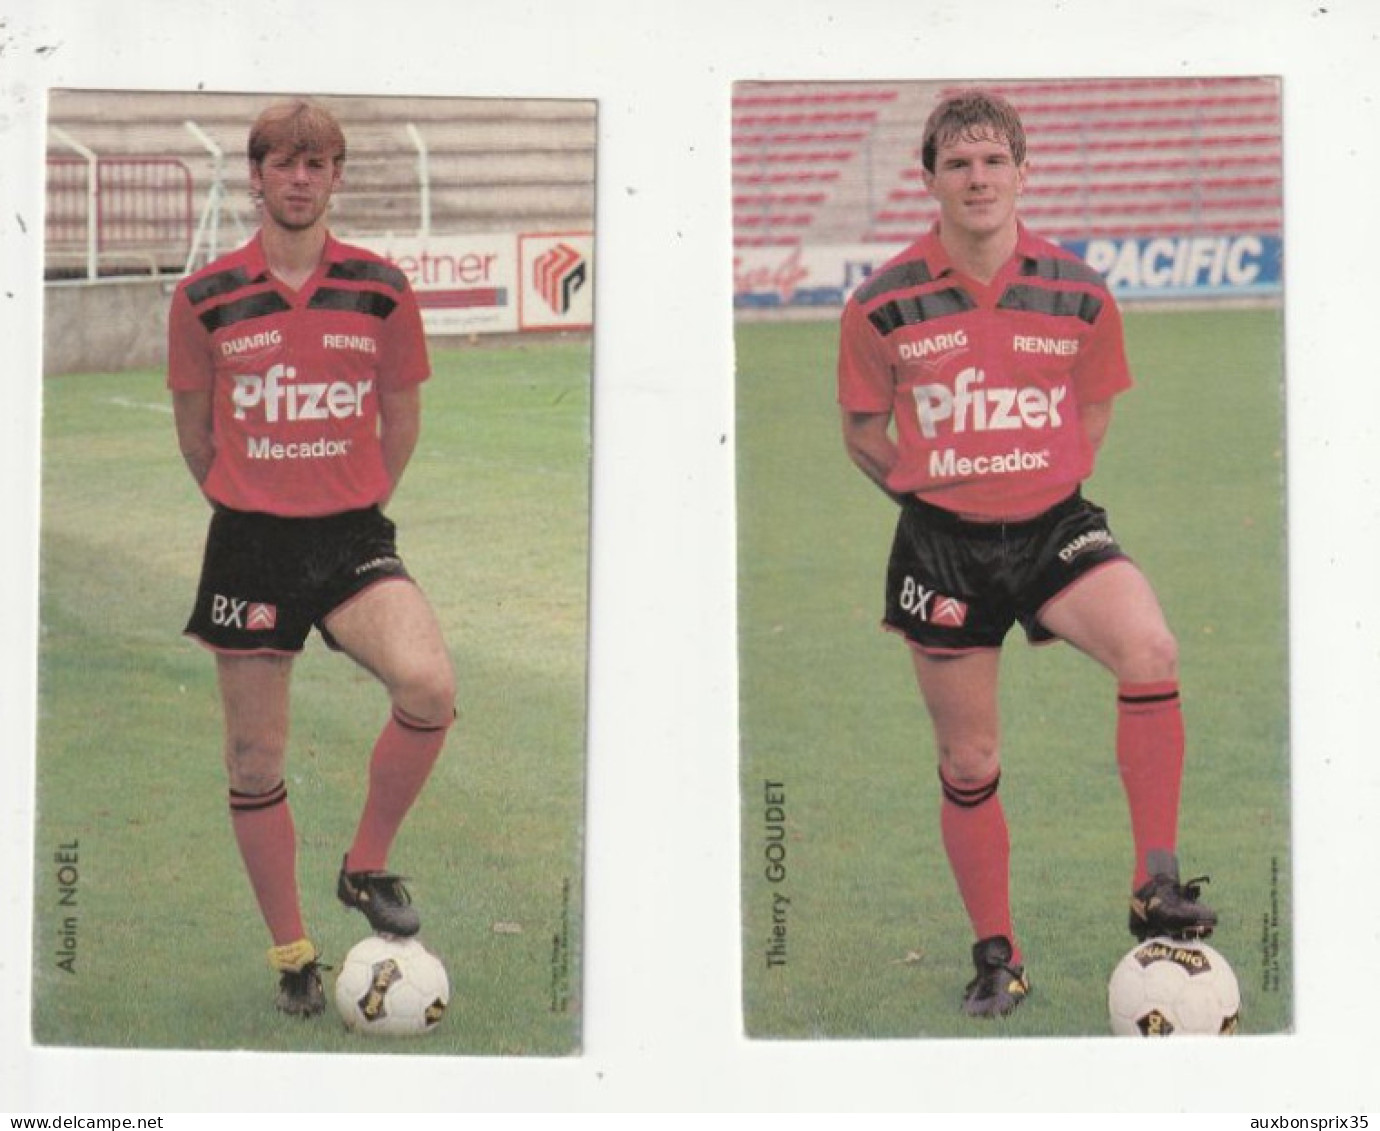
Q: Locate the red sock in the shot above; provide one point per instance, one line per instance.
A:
(979, 849)
(1150, 756)
(402, 760)
(268, 845)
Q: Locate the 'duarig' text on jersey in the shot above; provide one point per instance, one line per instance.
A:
(295, 376)
(984, 382)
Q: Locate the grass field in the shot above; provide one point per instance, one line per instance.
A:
(876, 942)
(146, 933)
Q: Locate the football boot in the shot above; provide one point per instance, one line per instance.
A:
(382, 897)
(1164, 907)
(1001, 983)
(299, 967)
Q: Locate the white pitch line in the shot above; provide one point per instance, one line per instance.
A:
(125, 402)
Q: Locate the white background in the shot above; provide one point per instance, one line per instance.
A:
(662, 1021)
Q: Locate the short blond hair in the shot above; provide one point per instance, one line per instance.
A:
(298, 126)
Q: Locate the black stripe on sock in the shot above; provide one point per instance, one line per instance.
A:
(1163, 697)
(969, 798)
(251, 802)
(407, 722)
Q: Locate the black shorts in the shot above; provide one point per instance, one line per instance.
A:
(266, 580)
(954, 585)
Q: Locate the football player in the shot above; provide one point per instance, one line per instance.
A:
(295, 364)
(977, 373)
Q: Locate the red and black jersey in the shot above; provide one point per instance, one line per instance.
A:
(296, 376)
(984, 382)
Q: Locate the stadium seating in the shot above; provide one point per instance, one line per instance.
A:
(1129, 157)
(792, 148)
(493, 165)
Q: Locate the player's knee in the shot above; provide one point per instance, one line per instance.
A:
(253, 765)
(1155, 657)
(428, 697)
(969, 762)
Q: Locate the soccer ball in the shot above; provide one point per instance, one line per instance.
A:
(391, 987)
(1166, 988)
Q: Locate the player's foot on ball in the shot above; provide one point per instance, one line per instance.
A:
(1001, 983)
(299, 969)
(1163, 906)
(382, 897)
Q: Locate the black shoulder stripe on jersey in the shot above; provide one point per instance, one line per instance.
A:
(903, 275)
(221, 283)
(241, 310)
(368, 271)
(1069, 270)
(920, 308)
(372, 303)
(1059, 304)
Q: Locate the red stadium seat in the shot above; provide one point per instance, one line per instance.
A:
(1115, 156)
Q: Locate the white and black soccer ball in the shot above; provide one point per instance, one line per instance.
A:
(1168, 988)
(391, 987)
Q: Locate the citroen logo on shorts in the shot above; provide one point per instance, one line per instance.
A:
(231, 612)
(950, 611)
(931, 606)
(261, 617)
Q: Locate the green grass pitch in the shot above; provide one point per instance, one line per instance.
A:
(146, 933)
(875, 939)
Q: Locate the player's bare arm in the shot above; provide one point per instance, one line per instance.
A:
(867, 438)
(195, 436)
(400, 424)
(1096, 419)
